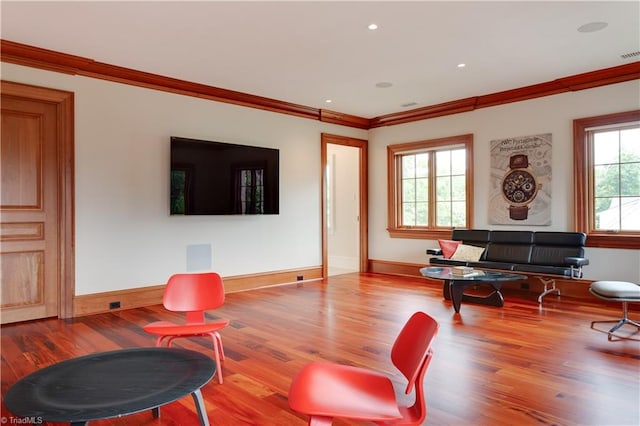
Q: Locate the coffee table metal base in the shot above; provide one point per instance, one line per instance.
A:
(155, 412)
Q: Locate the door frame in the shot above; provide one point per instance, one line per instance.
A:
(361, 144)
(64, 102)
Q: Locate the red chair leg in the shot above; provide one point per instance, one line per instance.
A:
(219, 338)
(216, 352)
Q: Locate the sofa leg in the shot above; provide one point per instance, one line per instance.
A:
(549, 287)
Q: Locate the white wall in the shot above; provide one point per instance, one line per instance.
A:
(552, 114)
(125, 237)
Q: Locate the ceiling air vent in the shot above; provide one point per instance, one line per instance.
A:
(630, 55)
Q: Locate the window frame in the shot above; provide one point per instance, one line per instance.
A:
(393, 187)
(583, 185)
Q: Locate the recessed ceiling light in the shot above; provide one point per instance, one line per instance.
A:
(383, 84)
(462, 65)
(592, 27)
(328, 101)
(372, 27)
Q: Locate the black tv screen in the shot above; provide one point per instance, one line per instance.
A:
(217, 178)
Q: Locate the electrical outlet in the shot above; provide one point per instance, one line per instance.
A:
(300, 277)
(114, 305)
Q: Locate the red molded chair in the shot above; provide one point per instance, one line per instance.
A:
(324, 390)
(193, 294)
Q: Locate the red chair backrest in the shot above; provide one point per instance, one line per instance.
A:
(413, 346)
(193, 292)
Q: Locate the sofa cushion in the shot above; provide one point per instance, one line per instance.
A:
(468, 253)
(448, 247)
(515, 253)
(560, 238)
(512, 237)
(479, 236)
(554, 255)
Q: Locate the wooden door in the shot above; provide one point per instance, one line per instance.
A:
(32, 222)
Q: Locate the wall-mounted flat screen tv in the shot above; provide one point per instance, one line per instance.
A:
(217, 178)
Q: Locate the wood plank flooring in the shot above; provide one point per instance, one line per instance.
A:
(517, 365)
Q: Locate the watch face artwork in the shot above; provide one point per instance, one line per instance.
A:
(519, 187)
(520, 180)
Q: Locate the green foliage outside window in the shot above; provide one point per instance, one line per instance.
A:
(616, 177)
(449, 201)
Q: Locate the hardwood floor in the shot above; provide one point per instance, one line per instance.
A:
(517, 365)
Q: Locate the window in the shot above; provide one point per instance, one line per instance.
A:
(250, 190)
(607, 150)
(430, 187)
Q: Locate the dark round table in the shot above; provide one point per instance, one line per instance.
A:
(112, 384)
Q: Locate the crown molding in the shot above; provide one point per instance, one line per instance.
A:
(31, 56)
(572, 83)
(35, 57)
(335, 117)
(431, 111)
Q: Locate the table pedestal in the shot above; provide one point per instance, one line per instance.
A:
(454, 290)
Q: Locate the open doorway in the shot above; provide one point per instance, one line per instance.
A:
(344, 205)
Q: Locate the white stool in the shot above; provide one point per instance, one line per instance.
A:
(617, 291)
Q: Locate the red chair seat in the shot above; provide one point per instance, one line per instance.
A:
(172, 329)
(343, 391)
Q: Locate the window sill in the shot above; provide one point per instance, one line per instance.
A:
(424, 234)
(613, 240)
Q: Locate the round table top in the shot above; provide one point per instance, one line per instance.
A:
(445, 273)
(109, 384)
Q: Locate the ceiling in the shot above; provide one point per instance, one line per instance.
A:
(307, 52)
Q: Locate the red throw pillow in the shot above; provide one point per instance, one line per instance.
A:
(448, 247)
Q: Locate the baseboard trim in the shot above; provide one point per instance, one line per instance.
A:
(394, 268)
(96, 303)
(147, 296)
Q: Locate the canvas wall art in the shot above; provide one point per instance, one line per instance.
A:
(521, 180)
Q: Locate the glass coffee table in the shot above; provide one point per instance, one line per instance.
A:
(111, 384)
(454, 285)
